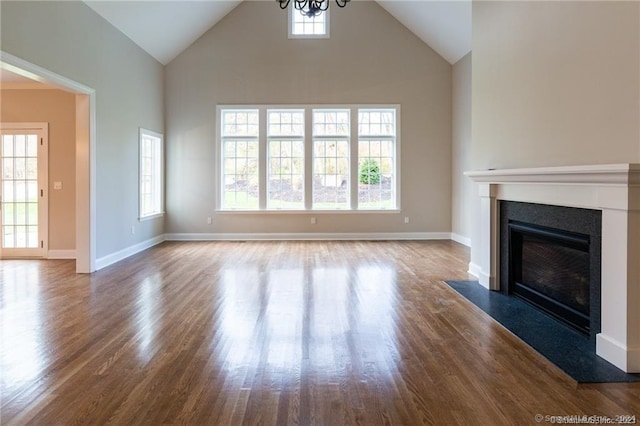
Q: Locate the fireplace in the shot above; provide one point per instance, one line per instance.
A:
(611, 190)
(549, 268)
(550, 256)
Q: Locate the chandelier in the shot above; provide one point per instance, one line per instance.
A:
(311, 8)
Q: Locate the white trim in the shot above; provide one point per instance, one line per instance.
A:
(475, 270)
(112, 258)
(142, 132)
(483, 278)
(308, 236)
(61, 254)
(262, 109)
(618, 354)
(460, 239)
(591, 175)
(41, 129)
(85, 153)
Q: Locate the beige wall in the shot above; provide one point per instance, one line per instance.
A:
(70, 39)
(248, 59)
(57, 108)
(555, 83)
(462, 187)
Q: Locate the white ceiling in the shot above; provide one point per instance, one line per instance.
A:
(163, 28)
(443, 25)
(166, 28)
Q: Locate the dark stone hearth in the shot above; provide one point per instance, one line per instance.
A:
(562, 345)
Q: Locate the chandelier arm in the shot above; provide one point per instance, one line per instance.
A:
(283, 3)
(342, 3)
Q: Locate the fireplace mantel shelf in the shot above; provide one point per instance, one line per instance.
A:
(612, 174)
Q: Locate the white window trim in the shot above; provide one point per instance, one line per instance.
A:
(308, 108)
(142, 132)
(396, 138)
(327, 25)
(261, 139)
(322, 138)
(269, 138)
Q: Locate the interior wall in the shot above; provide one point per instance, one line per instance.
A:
(71, 40)
(370, 58)
(463, 189)
(57, 108)
(555, 83)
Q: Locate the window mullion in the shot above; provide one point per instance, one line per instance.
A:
(308, 158)
(262, 158)
(353, 159)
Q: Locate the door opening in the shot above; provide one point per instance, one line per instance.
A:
(24, 190)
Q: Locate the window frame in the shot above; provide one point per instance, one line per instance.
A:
(323, 138)
(308, 159)
(159, 182)
(284, 138)
(372, 137)
(292, 11)
(222, 138)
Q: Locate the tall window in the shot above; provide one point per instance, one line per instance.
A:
(376, 159)
(150, 174)
(240, 149)
(285, 180)
(296, 158)
(331, 132)
(302, 26)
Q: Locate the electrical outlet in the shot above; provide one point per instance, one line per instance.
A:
(406, 219)
(209, 221)
(313, 220)
(133, 230)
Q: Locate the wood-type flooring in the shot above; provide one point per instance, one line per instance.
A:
(309, 332)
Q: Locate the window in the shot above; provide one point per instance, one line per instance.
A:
(286, 159)
(376, 159)
(331, 132)
(240, 159)
(264, 152)
(302, 26)
(150, 174)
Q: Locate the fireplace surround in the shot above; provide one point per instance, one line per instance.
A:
(550, 256)
(613, 190)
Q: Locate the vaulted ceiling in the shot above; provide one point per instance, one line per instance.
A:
(165, 28)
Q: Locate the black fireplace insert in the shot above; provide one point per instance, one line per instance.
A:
(550, 269)
(550, 256)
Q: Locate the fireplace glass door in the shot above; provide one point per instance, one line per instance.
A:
(550, 269)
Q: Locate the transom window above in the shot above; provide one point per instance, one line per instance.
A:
(308, 158)
(303, 26)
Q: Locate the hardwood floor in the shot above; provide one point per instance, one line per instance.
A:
(224, 333)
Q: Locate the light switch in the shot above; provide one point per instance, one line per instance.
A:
(57, 185)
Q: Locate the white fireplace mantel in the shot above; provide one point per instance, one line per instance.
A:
(612, 188)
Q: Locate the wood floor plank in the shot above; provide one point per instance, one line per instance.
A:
(268, 333)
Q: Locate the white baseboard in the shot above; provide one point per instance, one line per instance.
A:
(460, 239)
(112, 258)
(622, 356)
(308, 236)
(61, 254)
(474, 269)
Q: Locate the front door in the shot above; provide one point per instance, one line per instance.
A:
(23, 190)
